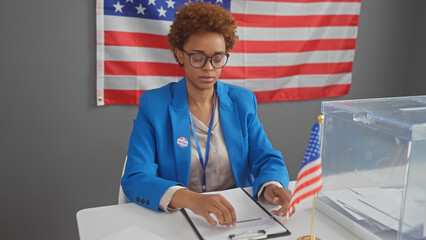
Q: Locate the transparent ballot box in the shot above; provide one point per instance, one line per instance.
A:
(374, 166)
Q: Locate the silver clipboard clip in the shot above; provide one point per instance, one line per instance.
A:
(249, 235)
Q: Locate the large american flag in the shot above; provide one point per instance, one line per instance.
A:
(309, 178)
(288, 49)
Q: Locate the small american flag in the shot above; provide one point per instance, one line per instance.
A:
(287, 49)
(309, 179)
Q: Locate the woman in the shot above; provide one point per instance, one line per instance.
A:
(200, 134)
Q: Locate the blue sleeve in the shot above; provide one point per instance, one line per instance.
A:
(266, 163)
(140, 182)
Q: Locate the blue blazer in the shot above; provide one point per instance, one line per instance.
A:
(155, 160)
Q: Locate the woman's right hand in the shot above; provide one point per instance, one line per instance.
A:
(204, 205)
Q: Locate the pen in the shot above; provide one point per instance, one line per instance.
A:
(256, 219)
(249, 235)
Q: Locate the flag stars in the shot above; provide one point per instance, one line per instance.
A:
(161, 12)
(118, 7)
(140, 9)
(129, 1)
(170, 4)
(219, 1)
(151, 2)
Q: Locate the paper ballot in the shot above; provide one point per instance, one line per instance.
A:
(379, 204)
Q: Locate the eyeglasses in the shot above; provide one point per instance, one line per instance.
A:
(199, 60)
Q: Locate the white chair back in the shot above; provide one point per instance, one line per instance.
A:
(122, 199)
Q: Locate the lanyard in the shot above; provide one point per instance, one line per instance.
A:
(200, 155)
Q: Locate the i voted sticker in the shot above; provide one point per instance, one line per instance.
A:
(182, 142)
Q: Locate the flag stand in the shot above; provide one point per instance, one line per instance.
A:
(311, 237)
(320, 120)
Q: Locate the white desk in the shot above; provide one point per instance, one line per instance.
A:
(96, 223)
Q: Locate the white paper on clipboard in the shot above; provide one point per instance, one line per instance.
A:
(252, 218)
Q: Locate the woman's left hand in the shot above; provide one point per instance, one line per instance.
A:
(278, 196)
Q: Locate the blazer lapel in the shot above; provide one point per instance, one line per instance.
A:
(179, 117)
(231, 128)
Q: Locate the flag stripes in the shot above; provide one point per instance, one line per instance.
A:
(123, 96)
(295, 21)
(291, 94)
(309, 44)
(307, 1)
(293, 82)
(146, 40)
(115, 53)
(295, 8)
(293, 46)
(171, 69)
(308, 180)
(159, 27)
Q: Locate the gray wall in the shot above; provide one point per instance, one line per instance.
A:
(60, 153)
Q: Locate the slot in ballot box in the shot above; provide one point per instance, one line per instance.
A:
(374, 166)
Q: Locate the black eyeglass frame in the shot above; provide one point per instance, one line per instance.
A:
(205, 60)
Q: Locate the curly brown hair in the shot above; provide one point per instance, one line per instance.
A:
(196, 17)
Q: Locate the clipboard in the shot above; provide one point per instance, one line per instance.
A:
(253, 220)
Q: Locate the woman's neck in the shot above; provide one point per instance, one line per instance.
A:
(200, 104)
(197, 97)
